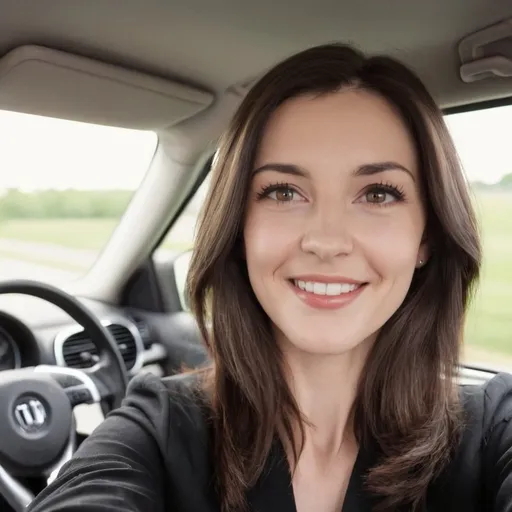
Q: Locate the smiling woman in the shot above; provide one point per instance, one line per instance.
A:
(324, 139)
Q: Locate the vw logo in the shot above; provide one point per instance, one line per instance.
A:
(30, 414)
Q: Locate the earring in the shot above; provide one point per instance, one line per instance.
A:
(420, 263)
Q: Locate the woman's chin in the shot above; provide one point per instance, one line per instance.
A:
(321, 345)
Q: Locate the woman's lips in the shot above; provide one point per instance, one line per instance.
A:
(326, 294)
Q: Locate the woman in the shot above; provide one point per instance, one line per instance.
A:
(334, 261)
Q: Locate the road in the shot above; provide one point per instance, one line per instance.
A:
(17, 268)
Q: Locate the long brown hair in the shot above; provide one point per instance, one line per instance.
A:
(407, 401)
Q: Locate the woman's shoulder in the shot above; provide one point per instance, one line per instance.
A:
(480, 471)
(177, 401)
(178, 414)
(489, 403)
(487, 436)
(181, 388)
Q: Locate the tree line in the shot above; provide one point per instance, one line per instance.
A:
(58, 204)
(505, 183)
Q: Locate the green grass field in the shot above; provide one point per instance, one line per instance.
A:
(73, 233)
(489, 325)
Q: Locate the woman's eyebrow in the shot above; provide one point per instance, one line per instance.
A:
(292, 169)
(362, 170)
(377, 167)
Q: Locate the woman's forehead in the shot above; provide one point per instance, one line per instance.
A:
(351, 127)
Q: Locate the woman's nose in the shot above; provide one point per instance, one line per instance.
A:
(327, 236)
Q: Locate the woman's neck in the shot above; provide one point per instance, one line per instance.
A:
(325, 388)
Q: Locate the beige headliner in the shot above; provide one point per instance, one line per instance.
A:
(217, 44)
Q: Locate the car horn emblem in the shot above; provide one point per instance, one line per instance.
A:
(30, 414)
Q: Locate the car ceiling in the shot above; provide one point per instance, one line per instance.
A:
(214, 45)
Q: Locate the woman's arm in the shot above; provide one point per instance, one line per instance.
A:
(120, 466)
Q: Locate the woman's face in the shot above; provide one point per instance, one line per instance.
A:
(335, 220)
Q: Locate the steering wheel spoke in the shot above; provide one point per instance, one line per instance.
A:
(79, 386)
(14, 492)
(52, 472)
(107, 384)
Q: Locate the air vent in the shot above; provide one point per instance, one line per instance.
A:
(78, 350)
(125, 342)
(144, 330)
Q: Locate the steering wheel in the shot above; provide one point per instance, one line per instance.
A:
(37, 430)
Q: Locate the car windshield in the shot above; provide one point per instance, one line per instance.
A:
(64, 186)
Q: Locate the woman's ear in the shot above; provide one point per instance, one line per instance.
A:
(423, 254)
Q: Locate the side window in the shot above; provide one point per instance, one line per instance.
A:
(180, 239)
(483, 141)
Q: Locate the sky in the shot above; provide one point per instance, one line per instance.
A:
(483, 140)
(38, 152)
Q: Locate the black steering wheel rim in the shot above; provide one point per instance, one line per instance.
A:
(114, 376)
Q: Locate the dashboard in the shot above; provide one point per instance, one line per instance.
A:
(10, 357)
(34, 332)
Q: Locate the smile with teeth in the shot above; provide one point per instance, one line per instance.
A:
(331, 289)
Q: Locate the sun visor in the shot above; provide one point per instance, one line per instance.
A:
(47, 82)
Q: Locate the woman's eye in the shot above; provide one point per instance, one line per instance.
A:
(379, 196)
(280, 193)
(283, 194)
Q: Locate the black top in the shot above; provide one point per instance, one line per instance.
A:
(152, 455)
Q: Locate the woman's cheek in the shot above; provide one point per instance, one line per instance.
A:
(391, 240)
(270, 231)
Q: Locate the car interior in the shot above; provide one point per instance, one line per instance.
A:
(130, 98)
